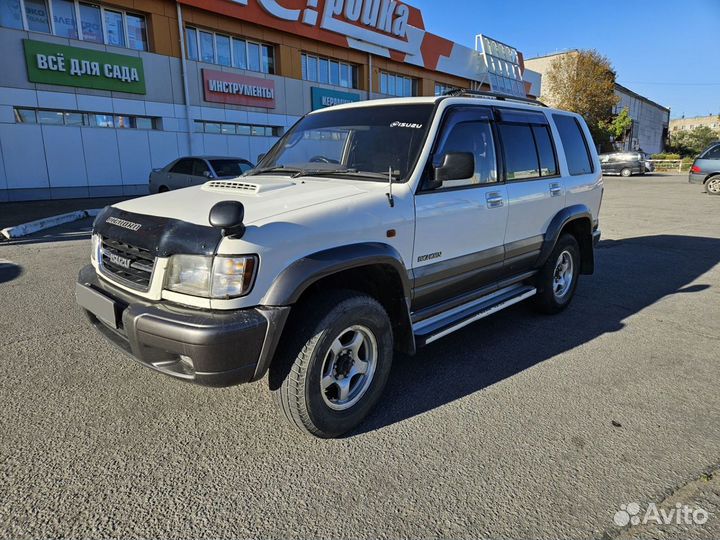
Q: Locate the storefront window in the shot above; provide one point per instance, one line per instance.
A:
(223, 50)
(228, 129)
(114, 28)
(74, 119)
(137, 34)
(335, 73)
(207, 48)
(312, 68)
(243, 130)
(239, 53)
(253, 56)
(37, 16)
(397, 85)
(10, 14)
(64, 18)
(191, 42)
(102, 120)
(143, 123)
(90, 19)
(122, 122)
(212, 127)
(345, 76)
(324, 75)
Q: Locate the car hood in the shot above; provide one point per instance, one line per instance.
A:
(264, 197)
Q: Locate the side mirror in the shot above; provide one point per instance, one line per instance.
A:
(207, 174)
(455, 166)
(228, 216)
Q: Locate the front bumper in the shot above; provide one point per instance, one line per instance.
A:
(211, 348)
(696, 178)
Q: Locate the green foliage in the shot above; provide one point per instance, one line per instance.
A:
(691, 143)
(665, 156)
(620, 125)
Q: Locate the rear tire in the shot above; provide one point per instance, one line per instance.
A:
(712, 186)
(558, 278)
(626, 173)
(335, 365)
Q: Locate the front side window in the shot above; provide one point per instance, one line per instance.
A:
(91, 22)
(476, 138)
(64, 18)
(229, 167)
(371, 141)
(36, 13)
(10, 14)
(114, 28)
(200, 168)
(137, 33)
(521, 160)
(574, 144)
(184, 166)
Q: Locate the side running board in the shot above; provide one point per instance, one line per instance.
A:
(446, 323)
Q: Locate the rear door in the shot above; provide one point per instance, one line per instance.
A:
(460, 225)
(536, 191)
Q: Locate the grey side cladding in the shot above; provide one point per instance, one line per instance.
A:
(567, 216)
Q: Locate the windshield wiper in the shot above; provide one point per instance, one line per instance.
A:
(276, 168)
(343, 172)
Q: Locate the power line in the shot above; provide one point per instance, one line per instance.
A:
(677, 84)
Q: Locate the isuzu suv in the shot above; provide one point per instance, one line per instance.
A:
(368, 228)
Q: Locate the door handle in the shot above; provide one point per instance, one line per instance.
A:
(555, 189)
(495, 199)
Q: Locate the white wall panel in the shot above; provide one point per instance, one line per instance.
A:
(94, 103)
(129, 106)
(159, 109)
(163, 148)
(239, 146)
(24, 156)
(102, 159)
(134, 156)
(64, 155)
(57, 100)
(18, 97)
(216, 145)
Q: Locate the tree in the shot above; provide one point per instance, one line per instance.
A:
(583, 82)
(691, 143)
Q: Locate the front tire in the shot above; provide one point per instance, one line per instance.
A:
(335, 365)
(558, 278)
(712, 186)
(626, 173)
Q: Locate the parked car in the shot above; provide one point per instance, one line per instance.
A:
(623, 163)
(368, 228)
(194, 170)
(706, 169)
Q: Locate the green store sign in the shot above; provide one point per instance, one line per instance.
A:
(322, 97)
(48, 63)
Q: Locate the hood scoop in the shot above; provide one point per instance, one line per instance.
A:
(241, 186)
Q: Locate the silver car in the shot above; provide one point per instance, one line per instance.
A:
(706, 169)
(193, 170)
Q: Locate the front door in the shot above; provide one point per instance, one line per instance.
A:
(460, 225)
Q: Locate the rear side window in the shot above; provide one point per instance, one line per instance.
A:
(546, 153)
(521, 159)
(576, 148)
(184, 166)
(713, 153)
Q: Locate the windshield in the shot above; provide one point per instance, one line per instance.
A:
(229, 167)
(356, 140)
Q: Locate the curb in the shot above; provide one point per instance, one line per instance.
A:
(31, 227)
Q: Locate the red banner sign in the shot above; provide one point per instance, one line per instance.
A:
(232, 89)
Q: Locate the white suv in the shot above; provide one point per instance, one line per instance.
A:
(368, 228)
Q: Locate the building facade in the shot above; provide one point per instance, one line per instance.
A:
(688, 124)
(650, 120)
(94, 95)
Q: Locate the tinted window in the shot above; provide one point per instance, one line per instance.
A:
(184, 166)
(200, 167)
(521, 160)
(543, 142)
(229, 167)
(476, 138)
(574, 144)
(713, 153)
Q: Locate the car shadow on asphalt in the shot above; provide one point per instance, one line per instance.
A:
(630, 275)
(9, 271)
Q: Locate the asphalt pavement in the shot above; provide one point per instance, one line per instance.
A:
(519, 426)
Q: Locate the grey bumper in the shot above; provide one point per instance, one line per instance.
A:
(211, 348)
(696, 178)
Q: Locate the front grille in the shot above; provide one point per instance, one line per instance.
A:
(129, 264)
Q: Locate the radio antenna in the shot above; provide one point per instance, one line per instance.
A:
(389, 194)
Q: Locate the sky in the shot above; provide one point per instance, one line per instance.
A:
(666, 50)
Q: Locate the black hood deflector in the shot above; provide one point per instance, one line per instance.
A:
(161, 236)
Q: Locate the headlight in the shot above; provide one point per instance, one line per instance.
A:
(208, 277)
(95, 247)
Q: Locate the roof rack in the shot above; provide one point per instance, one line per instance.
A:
(460, 92)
